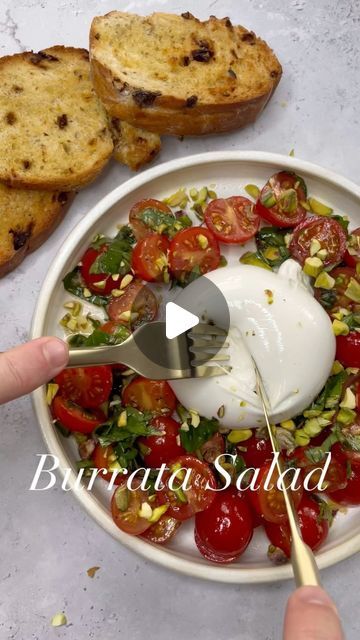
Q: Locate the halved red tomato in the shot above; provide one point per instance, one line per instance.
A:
(163, 530)
(348, 349)
(329, 234)
(280, 201)
(103, 458)
(335, 477)
(150, 395)
(313, 527)
(149, 258)
(140, 229)
(87, 386)
(125, 507)
(139, 300)
(164, 447)
(270, 502)
(349, 496)
(193, 250)
(184, 503)
(75, 418)
(224, 530)
(232, 220)
(257, 452)
(352, 254)
(92, 280)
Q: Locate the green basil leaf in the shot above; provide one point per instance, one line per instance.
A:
(98, 338)
(164, 223)
(193, 439)
(74, 284)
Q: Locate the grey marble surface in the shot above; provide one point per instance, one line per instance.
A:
(48, 542)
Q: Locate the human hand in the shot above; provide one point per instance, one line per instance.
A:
(311, 615)
(30, 365)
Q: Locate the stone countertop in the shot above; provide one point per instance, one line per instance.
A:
(48, 542)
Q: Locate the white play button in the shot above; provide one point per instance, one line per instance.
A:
(178, 320)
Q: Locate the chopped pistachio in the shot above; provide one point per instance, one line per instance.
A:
(269, 295)
(353, 290)
(340, 328)
(125, 315)
(337, 367)
(126, 280)
(301, 438)
(145, 511)
(252, 190)
(346, 416)
(319, 208)
(101, 284)
(305, 205)
(221, 411)
(184, 427)
(271, 253)
(287, 239)
(115, 466)
(115, 277)
(195, 418)
(223, 262)
(292, 153)
(268, 198)
(349, 400)
(177, 198)
(212, 194)
(243, 403)
(324, 281)
(59, 620)
(314, 426)
(203, 241)
(202, 195)
(313, 266)
(51, 392)
(252, 259)
(239, 435)
(157, 513)
(315, 246)
(116, 293)
(86, 293)
(322, 254)
(193, 193)
(288, 200)
(122, 419)
(289, 425)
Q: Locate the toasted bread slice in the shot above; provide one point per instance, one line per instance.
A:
(54, 132)
(177, 75)
(132, 146)
(27, 218)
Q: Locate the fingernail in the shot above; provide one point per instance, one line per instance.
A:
(56, 352)
(315, 595)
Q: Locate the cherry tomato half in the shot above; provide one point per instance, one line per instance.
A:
(258, 451)
(353, 258)
(75, 418)
(87, 386)
(164, 447)
(125, 507)
(314, 529)
(329, 234)
(140, 229)
(280, 200)
(335, 477)
(162, 531)
(139, 300)
(91, 279)
(224, 530)
(149, 258)
(270, 503)
(350, 495)
(193, 249)
(348, 349)
(103, 457)
(150, 395)
(184, 503)
(232, 220)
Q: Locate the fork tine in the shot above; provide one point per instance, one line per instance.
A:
(203, 371)
(215, 358)
(207, 329)
(211, 344)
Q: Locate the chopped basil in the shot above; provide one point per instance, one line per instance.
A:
(117, 257)
(329, 397)
(327, 298)
(344, 223)
(137, 424)
(270, 243)
(326, 512)
(195, 437)
(99, 337)
(73, 283)
(352, 321)
(165, 223)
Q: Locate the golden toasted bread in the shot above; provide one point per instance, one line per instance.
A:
(54, 132)
(177, 75)
(132, 146)
(27, 218)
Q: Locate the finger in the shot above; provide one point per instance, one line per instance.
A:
(30, 365)
(311, 614)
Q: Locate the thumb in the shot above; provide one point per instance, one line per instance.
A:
(311, 615)
(30, 365)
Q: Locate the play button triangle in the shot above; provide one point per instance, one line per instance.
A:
(178, 320)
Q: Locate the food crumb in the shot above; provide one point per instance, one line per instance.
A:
(59, 620)
(270, 296)
(91, 572)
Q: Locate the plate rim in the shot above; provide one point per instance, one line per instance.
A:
(169, 558)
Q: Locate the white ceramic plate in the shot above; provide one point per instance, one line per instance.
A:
(230, 171)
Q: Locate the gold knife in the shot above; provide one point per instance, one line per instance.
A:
(306, 572)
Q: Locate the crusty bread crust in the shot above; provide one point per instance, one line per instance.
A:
(54, 132)
(133, 146)
(233, 72)
(27, 219)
